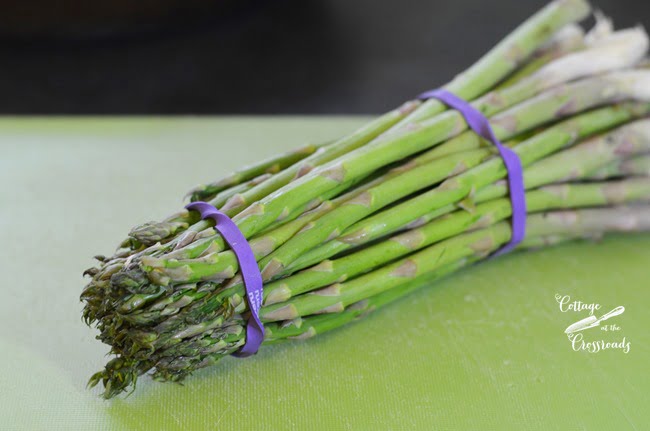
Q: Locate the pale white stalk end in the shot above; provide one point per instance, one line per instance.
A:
(637, 128)
(619, 50)
(630, 84)
(604, 27)
(569, 36)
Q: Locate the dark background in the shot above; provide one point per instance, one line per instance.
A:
(247, 56)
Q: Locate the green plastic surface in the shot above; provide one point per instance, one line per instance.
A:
(482, 349)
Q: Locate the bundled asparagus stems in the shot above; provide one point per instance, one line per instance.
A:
(343, 228)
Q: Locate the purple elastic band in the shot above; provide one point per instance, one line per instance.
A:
(249, 270)
(481, 126)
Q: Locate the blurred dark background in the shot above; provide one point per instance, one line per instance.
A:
(247, 56)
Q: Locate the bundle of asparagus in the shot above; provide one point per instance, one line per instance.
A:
(343, 228)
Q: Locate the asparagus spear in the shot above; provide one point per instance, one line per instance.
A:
(551, 197)
(635, 40)
(207, 350)
(304, 328)
(570, 99)
(495, 65)
(501, 175)
(575, 97)
(546, 198)
(482, 242)
(506, 56)
(219, 191)
(272, 165)
(597, 151)
(591, 153)
(419, 209)
(566, 40)
(493, 103)
(150, 233)
(170, 299)
(639, 165)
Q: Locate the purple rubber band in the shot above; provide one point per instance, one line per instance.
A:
(481, 126)
(249, 270)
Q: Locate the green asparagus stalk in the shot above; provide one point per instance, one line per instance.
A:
(379, 288)
(490, 69)
(566, 40)
(150, 233)
(633, 166)
(546, 198)
(568, 131)
(594, 152)
(551, 197)
(304, 328)
(482, 242)
(506, 56)
(637, 45)
(575, 97)
(272, 165)
(551, 105)
(219, 191)
(341, 230)
(633, 42)
(442, 199)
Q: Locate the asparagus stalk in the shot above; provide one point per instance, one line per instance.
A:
(207, 349)
(481, 242)
(151, 233)
(170, 299)
(636, 46)
(506, 56)
(304, 328)
(546, 198)
(633, 166)
(272, 165)
(594, 152)
(632, 138)
(566, 40)
(551, 197)
(219, 191)
(555, 226)
(442, 199)
(618, 50)
(490, 69)
(575, 97)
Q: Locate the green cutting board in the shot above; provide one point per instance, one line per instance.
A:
(482, 349)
